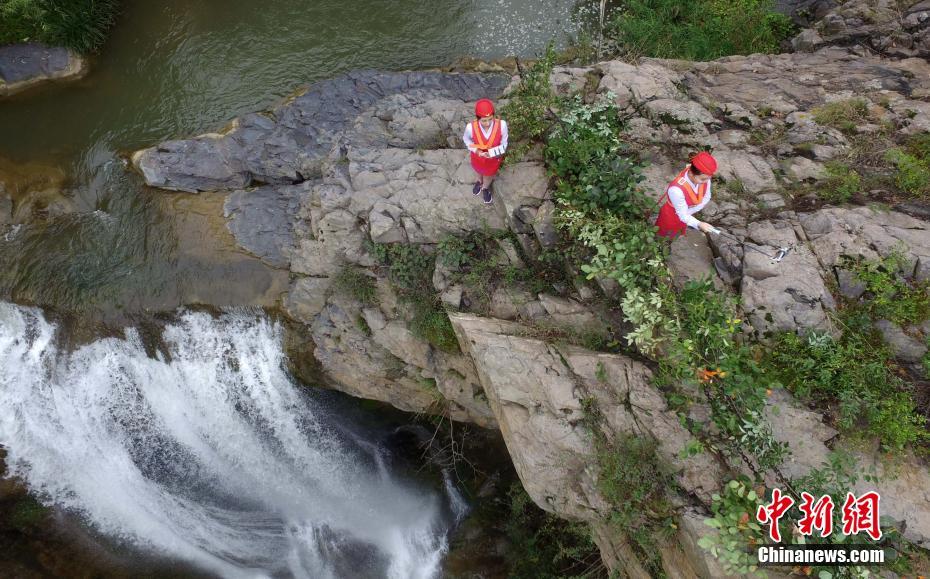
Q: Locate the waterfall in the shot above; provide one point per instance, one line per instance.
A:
(207, 451)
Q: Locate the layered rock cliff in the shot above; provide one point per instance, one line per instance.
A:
(376, 158)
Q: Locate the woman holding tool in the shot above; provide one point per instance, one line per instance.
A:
(687, 194)
(486, 139)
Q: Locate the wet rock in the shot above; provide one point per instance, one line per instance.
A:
(292, 141)
(895, 29)
(25, 65)
(263, 220)
(905, 348)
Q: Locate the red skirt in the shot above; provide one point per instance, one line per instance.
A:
(668, 222)
(485, 166)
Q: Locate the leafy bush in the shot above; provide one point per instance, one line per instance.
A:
(594, 168)
(844, 115)
(888, 295)
(855, 372)
(77, 24)
(544, 546)
(353, 282)
(913, 173)
(734, 517)
(527, 110)
(698, 30)
(842, 182)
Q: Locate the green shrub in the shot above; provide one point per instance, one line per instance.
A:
(855, 372)
(353, 282)
(593, 166)
(698, 30)
(842, 182)
(845, 115)
(734, 518)
(543, 546)
(81, 25)
(913, 173)
(888, 295)
(527, 110)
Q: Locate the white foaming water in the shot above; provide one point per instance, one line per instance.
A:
(209, 454)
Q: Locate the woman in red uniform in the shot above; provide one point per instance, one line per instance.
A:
(687, 194)
(486, 139)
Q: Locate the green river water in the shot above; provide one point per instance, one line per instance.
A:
(177, 68)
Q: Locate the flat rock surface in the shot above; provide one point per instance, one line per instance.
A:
(22, 65)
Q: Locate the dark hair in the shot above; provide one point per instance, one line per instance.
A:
(695, 170)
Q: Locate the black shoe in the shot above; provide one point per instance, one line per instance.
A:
(477, 188)
(487, 196)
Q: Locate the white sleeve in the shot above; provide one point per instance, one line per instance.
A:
(677, 198)
(469, 139)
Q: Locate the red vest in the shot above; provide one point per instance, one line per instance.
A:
(483, 165)
(669, 223)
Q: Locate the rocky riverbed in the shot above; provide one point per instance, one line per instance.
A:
(376, 157)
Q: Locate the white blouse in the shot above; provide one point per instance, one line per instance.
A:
(677, 197)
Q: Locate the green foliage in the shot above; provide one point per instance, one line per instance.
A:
(698, 30)
(527, 111)
(595, 171)
(888, 295)
(844, 115)
(734, 519)
(353, 282)
(856, 372)
(81, 25)
(411, 273)
(842, 182)
(913, 173)
(543, 546)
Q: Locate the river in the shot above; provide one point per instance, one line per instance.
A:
(194, 443)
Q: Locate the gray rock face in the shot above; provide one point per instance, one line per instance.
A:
(25, 65)
(906, 348)
(367, 354)
(307, 298)
(289, 143)
(263, 220)
(870, 233)
(785, 296)
(691, 258)
(536, 390)
(889, 28)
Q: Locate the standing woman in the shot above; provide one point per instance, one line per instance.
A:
(486, 138)
(687, 194)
